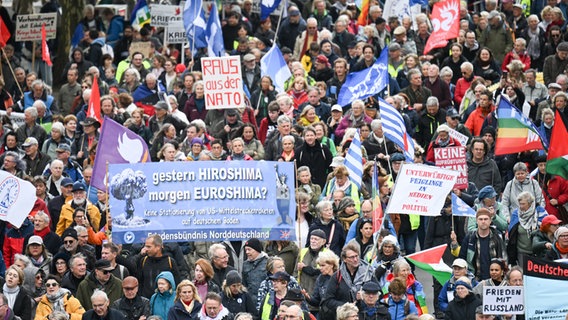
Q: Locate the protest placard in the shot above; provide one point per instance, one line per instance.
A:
(462, 138)
(28, 27)
(223, 83)
(140, 46)
(17, 118)
(175, 34)
(453, 158)
(164, 15)
(421, 189)
(202, 201)
(545, 283)
(499, 300)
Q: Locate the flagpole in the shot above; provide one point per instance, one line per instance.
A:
(278, 24)
(107, 209)
(298, 210)
(12, 70)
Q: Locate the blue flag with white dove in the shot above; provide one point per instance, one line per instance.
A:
(214, 34)
(267, 7)
(194, 24)
(272, 64)
(460, 208)
(366, 83)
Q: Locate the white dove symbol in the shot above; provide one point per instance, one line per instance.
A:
(130, 150)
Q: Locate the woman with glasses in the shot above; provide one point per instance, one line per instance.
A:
(58, 299)
(347, 311)
(414, 289)
(560, 247)
(59, 264)
(18, 299)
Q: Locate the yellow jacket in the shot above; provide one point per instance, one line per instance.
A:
(71, 305)
(66, 217)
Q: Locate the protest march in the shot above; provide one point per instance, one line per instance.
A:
(283, 159)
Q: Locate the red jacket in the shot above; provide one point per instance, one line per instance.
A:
(436, 144)
(557, 189)
(461, 87)
(524, 58)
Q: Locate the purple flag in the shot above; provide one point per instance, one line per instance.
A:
(116, 144)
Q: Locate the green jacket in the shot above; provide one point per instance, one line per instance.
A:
(113, 289)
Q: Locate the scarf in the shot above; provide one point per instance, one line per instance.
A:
(344, 187)
(288, 157)
(358, 120)
(562, 251)
(307, 42)
(42, 233)
(533, 47)
(187, 305)
(11, 294)
(57, 299)
(529, 219)
(238, 156)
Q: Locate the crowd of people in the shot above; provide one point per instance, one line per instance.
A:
(61, 262)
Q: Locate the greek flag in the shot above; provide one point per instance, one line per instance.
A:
(194, 24)
(272, 64)
(354, 161)
(267, 7)
(395, 130)
(460, 208)
(214, 34)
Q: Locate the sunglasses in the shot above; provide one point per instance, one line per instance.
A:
(69, 241)
(51, 284)
(105, 272)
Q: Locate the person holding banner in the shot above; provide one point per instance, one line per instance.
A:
(443, 140)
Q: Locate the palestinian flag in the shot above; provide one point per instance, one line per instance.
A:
(431, 261)
(516, 132)
(557, 160)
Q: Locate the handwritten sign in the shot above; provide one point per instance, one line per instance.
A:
(453, 158)
(223, 83)
(503, 300)
(140, 46)
(421, 189)
(28, 27)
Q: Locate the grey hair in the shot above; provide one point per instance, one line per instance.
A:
(200, 124)
(25, 259)
(42, 215)
(59, 127)
(546, 111)
(283, 119)
(151, 76)
(214, 248)
(39, 104)
(20, 163)
(80, 229)
(533, 17)
(398, 264)
(58, 315)
(134, 72)
(323, 205)
(99, 294)
(446, 71)
(525, 195)
(75, 257)
(467, 65)
(376, 124)
(289, 137)
(32, 111)
(522, 41)
(239, 316)
(56, 161)
(345, 310)
(38, 82)
(520, 166)
(412, 72)
(239, 139)
(432, 101)
(302, 169)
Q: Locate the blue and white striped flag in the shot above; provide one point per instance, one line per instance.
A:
(214, 34)
(460, 208)
(272, 64)
(194, 24)
(395, 130)
(354, 161)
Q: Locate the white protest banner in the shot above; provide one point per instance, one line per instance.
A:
(503, 300)
(421, 189)
(453, 158)
(462, 138)
(175, 34)
(223, 82)
(17, 118)
(15, 204)
(164, 15)
(28, 27)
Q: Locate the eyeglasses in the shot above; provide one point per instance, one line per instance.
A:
(51, 284)
(355, 256)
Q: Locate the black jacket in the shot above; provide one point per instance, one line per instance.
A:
(240, 303)
(133, 309)
(112, 314)
(22, 305)
(462, 309)
(178, 312)
(381, 311)
(148, 270)
(317, 158)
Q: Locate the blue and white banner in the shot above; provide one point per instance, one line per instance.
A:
(268, 6)
(15, 195)
(545, 283)
(214, 34)
(395, 129)
(460, 208)
(366, 83)
(202, 201)
(354, 161)
(194, 24)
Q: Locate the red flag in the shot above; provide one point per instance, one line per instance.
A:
(558, 150)
(45, 56)
(94, 109)
(445, 20)
(4, 34)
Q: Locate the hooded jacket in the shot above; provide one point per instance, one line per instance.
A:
(161, 302)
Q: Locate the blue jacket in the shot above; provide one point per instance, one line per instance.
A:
(160, 303)
(396, 309)
(115, 30)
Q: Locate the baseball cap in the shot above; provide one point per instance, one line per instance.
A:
(29, 141)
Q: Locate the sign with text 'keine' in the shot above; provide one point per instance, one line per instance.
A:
(202, 201)
(223, 82)
(453, 158)
(421, 190)
(28, 27)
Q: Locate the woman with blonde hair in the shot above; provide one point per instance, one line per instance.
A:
(18, 300)
(235, 296)
(308, 116)
(187, 303)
